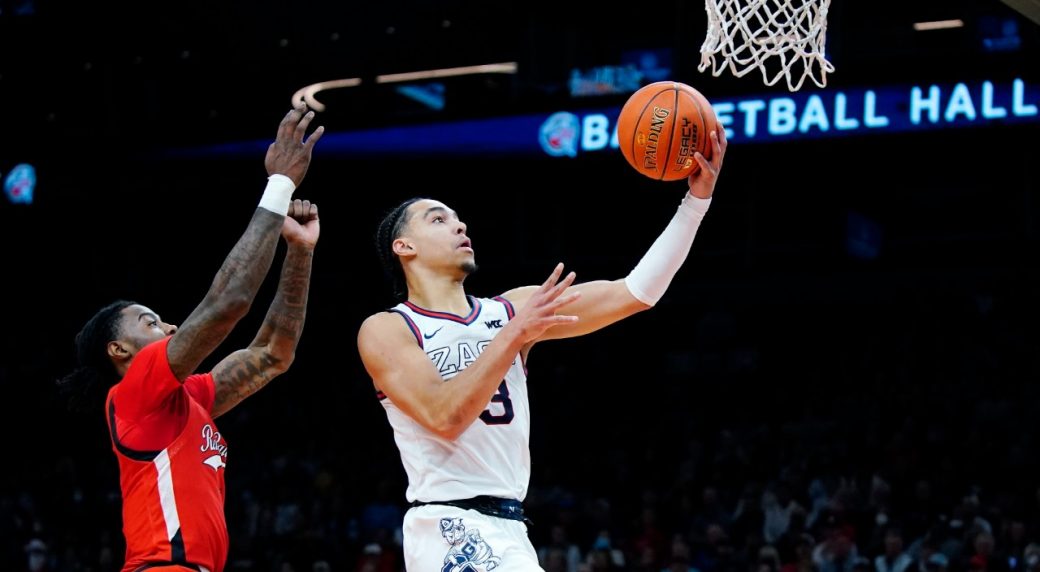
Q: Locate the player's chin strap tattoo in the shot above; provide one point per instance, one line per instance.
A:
(651, 277)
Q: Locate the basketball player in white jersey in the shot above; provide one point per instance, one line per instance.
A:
(449, 369)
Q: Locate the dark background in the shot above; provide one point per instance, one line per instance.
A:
(777, 362)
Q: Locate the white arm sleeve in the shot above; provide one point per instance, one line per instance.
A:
(651, 277)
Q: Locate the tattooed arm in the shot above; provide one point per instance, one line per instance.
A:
(232, 291)
(244, 372)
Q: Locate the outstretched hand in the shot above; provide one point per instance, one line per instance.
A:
(301, 223)
(290, 154)
(702, 183)
(539, 312)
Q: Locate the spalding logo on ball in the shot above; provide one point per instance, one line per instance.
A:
(661, 127)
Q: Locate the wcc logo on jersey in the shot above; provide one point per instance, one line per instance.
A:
(469, 552)
(213, 444)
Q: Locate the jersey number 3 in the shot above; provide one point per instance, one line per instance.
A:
(501, 397)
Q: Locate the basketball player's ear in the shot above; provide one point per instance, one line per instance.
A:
(119, 351)
(403, 248)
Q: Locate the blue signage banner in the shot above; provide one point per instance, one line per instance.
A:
(763, 119)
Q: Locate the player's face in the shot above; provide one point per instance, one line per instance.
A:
(439, 236)
(141, 326)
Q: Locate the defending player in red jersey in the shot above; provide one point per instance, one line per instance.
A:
(160, 413)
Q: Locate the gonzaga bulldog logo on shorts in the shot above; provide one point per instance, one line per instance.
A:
(469, 552)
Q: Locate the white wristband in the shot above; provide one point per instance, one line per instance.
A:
(651, 277)
(278, 194)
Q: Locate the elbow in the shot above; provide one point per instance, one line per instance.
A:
(634, 300)
(271, 361)
(637, 306)
(278, 364)
(633, 305)
(237, 305)
(449, 434)
(448, 427)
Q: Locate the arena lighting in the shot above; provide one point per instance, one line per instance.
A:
(938, 25)
(306, 94)
(506, 67)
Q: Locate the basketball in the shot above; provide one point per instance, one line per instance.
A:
(661, 126)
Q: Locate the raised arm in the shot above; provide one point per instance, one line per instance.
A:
(604, 302)
(232, 291)
(400, 369)
(244, 372)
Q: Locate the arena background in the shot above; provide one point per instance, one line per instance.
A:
(854, 332)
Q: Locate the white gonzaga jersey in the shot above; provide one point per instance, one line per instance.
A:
(492, 456)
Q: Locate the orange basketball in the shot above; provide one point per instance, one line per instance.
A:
(661, 126)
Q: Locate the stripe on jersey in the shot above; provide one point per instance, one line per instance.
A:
(169, 505)
(177, 548)
(411, 326)
(469, 319)
(123, 449)
(510, 312)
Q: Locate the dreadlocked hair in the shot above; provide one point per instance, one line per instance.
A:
(390, 229)
(85, 387)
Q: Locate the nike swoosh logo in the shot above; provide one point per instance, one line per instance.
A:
(215, 461)
(433, 333)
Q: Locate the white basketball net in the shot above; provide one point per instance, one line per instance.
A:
(764, 34)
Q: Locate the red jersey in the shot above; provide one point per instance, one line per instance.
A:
(171, 465)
